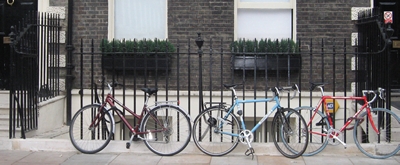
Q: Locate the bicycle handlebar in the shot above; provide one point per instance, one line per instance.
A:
(276, 90)
(110, 85)
(294, 87)
(379, 92)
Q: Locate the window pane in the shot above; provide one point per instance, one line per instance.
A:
(264, 23)
(140, 19)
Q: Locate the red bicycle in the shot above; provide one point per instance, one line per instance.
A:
(164, 127)
(375, 130)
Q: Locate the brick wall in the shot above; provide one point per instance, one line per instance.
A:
(90, 22)
(215, 21)
(329, 24)
(317, 19)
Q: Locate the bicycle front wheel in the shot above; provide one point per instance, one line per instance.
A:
(168, 130)
(290, 133)
(91, 130)
(317, 125)
(213, 134)
(381, 144)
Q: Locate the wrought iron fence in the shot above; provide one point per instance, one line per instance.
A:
(35, 68)
(194, 71)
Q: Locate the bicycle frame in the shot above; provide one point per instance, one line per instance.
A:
(237, 104)
(366, 106)
(111, 101)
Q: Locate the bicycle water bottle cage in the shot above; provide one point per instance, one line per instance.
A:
(321, 122)
(150, 91)
(240, 112)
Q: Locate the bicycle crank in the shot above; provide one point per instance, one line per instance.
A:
(246, 137)
(335, 137)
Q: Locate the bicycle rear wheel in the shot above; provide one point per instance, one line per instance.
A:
(207, 134)
(168, 130)
(317, 125)
(90, 130)
(372, 144)
(290, 134)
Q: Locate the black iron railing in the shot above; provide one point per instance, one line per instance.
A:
(35, 68)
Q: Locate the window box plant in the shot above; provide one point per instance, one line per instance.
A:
(265, 54)
(136, 55)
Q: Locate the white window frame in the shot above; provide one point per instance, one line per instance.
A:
(291, 4)
(111, 21)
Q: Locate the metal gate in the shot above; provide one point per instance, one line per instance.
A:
(34, 68)
(374, 53)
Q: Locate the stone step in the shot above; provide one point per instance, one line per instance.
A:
(4, 132)
(4, 110)
(4, 120)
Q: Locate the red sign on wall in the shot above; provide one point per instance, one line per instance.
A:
(388, 17)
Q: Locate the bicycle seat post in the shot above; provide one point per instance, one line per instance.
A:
(322, 90)
(234, 92)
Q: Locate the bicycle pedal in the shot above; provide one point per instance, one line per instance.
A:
(249, 152)
(128, 145)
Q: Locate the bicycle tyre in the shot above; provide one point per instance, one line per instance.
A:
(173, 139)
(210, 142)
(319, 125)
(290, 134)
(369, 143)
(91, 140)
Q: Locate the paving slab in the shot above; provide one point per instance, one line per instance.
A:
(10, 156)
(136, 158)
(269, 160)
(41, 157)
(90, 159)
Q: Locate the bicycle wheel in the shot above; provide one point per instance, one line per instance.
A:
(207, 135)
(84, 136)
(290, 133)
(317, 124)
(372, 144)
(168, 128)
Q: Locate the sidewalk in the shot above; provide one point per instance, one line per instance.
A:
(74, 158)
(60, 151)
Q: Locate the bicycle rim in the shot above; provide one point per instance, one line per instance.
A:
(372, 144)
(207, 137)
(316, 125)
(290, 133)
(168, 130)
(90, 140)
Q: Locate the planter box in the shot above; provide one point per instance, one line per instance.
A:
(249, 62)
(135, 63)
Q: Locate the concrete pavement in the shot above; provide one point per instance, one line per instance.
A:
(60, 151)
(17, 157)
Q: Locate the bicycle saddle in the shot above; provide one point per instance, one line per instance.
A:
(314, 85)
(150, 91)
(231, 85)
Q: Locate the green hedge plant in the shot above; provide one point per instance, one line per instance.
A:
(143, 47)
(264, 46)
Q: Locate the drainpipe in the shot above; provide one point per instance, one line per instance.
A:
(70, 66)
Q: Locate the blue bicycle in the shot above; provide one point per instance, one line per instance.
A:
(217, 130)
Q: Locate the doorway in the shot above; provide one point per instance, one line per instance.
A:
(11, 13)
